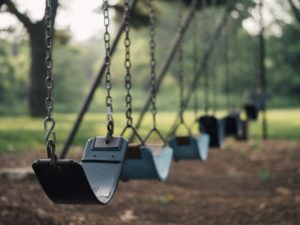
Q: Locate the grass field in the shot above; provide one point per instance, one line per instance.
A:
(24, 133)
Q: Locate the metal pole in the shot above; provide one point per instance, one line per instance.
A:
(164, 66)
(95, 85)
(262, 71)
(205, 57)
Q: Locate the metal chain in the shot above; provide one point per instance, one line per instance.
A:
(127, 64)
(152, 44)
(205, 37)
(49, 122)
(226, 61)
(180, 66)
(195, 62)
(108, 84)
(213, 70)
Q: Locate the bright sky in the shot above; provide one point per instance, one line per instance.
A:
(84, 22)
(80, 17)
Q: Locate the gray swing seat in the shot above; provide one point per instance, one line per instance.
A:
(92, 181)
(189, 147)
(142, 162)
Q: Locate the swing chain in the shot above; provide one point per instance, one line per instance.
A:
(205, 39)
(152, 24)
(195, 61)
(108, 84)
(180, 67)
(49, 121)
(127, 64)
(226, 61)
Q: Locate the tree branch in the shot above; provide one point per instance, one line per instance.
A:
(296, 11)
(11, 7)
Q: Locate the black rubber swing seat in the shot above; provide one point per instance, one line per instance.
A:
(92, 181)
(254, 103)
(189, 147)
(214, 128)
(147, 162)
(252, 111)
(233, 125)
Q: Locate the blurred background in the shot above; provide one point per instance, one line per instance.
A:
(79, 51)
(248, 181)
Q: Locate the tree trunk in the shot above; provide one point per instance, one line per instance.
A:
(37, 89)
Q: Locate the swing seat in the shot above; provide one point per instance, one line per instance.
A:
(252, 111)
(233, 125)
(188, 147)
(92, 181)
(245, 131)
(214, 128)
(143, 162)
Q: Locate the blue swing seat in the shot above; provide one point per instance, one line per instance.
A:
(92, 181)
(144, 162)
(188, 147)
(214, 128)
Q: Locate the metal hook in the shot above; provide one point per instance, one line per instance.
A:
(110, 131)
(49, 131)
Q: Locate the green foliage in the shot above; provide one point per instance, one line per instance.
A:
(284, 57)
(68, 75)
(7, 74)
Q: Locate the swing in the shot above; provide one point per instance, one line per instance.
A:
(244, 135)
(91, 181)
(95, 179)
(144, 161)
(233, 124)
(254, 103)
(251, 111)
(187, 147)
(215, 128)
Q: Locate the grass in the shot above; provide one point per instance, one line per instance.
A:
(23, 133)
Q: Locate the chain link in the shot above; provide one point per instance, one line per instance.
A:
(226, 61)
(49, 122)
(152, 44)
(195, 63)
(127, 64)
(213, 74)
(205, 39)
(108, 84)
(181, 65)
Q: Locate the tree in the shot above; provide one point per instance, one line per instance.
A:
(7, 75)
(36, 34)
(296, 11)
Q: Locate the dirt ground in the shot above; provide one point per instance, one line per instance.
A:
(246, 183)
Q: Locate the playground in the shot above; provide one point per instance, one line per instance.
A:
(168, 112)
